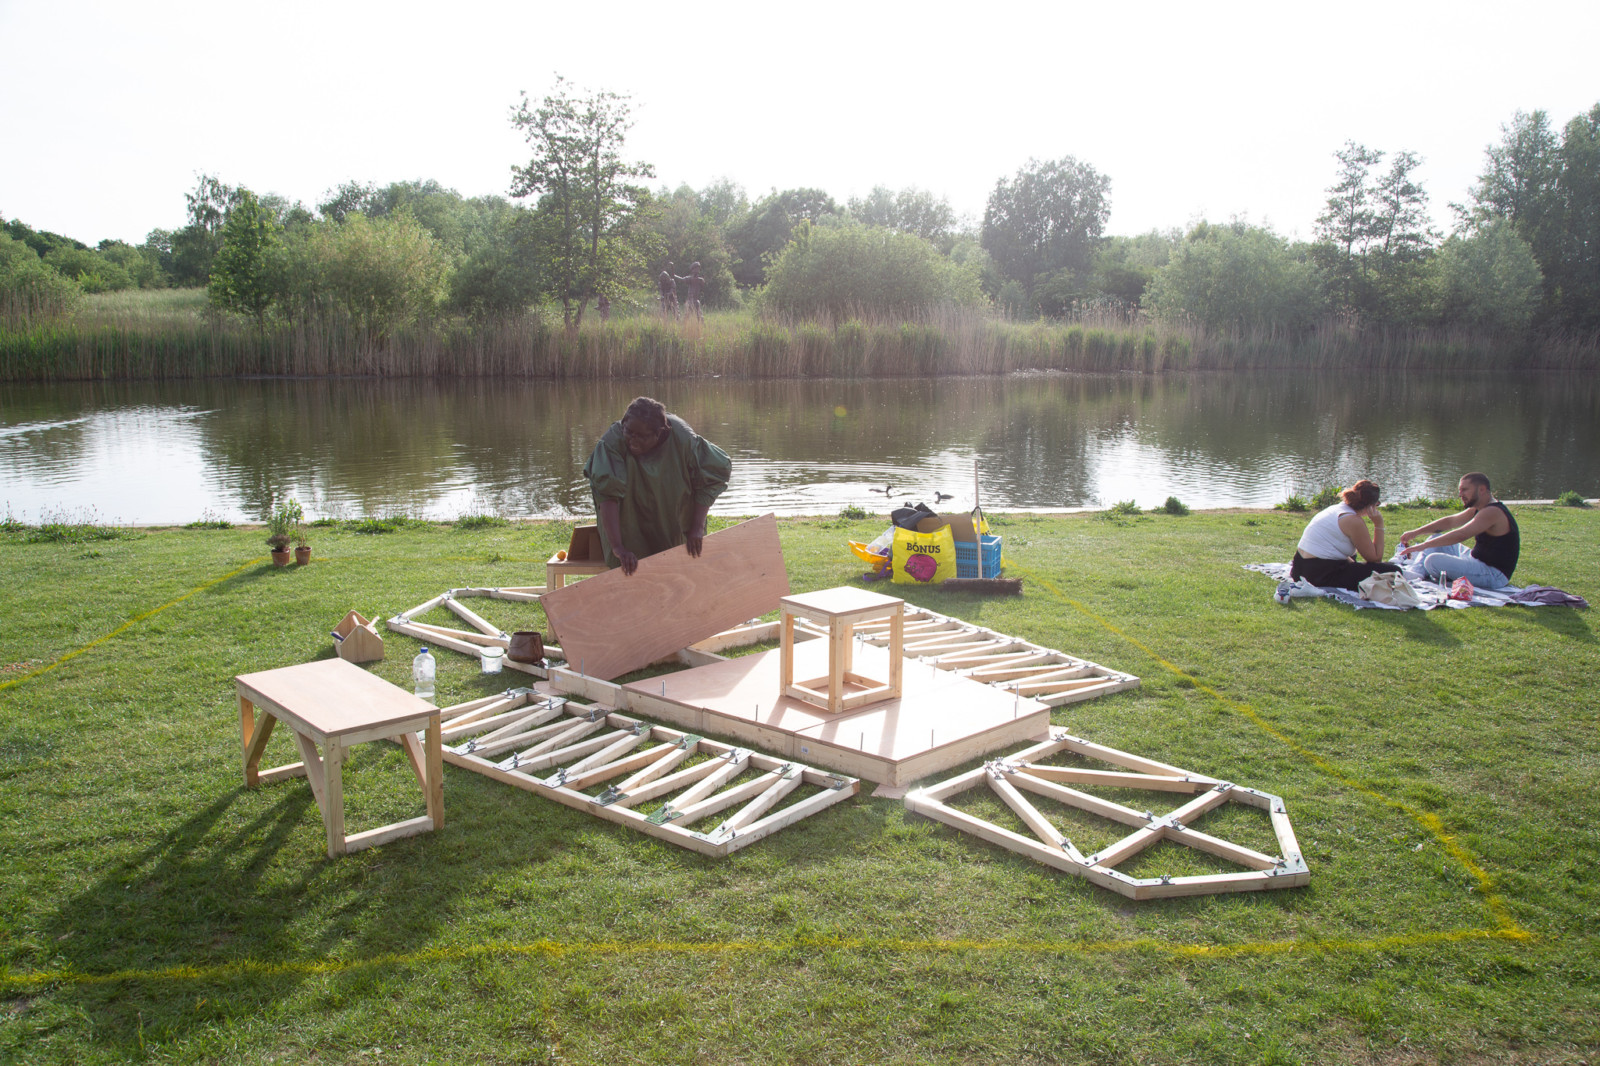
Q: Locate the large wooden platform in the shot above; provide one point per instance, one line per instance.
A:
(941, 719)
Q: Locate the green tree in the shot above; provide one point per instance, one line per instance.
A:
(911, 210)
(92, 271)
(1046, 219)
(247, 272)
(1488, 279)
(500, 272)
(29, 290)
(1402, 238)
(761, 234)
(1576, 275)
(1347, 223)
(1123, 266)
(588, 197)
(383, 273)
(1519, 184)
(843, 268)
(724, 203)
(685, 234)
(1238, 277)
(196, 244)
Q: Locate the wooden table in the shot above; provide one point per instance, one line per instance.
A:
(840, 610)
(338, 705)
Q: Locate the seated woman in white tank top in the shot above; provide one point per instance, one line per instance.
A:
(1335, 536)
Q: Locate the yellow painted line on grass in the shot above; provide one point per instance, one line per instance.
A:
(135, 620)
(1506, 924)
(556, 949)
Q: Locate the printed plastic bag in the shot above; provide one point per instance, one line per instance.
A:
(924, 558)
(1462, 590)
(1390, 588)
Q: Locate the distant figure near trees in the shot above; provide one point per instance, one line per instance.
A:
(669, 291)
(603, 305)
(693, 286)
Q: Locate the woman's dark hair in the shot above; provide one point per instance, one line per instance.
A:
(647, 412)
(1361, 495)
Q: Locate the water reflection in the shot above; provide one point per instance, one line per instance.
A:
(143, 452)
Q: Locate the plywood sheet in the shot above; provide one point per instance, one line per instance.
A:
(612, 623)
(941, 719)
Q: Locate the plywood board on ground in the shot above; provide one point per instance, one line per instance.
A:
(941, 719)
(612, 623)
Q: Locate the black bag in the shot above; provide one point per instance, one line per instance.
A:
(908, 517)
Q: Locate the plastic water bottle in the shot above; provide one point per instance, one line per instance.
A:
(422, 673)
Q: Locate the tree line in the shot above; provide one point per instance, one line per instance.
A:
(579, 221)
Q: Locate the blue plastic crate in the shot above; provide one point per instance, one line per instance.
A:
(967, 557)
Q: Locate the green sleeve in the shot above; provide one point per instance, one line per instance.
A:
(710, 473)
(607, 468)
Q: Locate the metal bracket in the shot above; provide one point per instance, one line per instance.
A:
(836, 783)
(609, 796)
(688, 740)
(664, 815)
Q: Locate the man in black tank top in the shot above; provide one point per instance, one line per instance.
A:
(1493, 558)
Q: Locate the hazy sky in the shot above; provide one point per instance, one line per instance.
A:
(1193, 110)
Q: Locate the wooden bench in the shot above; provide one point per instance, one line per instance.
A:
(338, 705)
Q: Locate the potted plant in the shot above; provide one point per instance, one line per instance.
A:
(302, 546)
(281, 523)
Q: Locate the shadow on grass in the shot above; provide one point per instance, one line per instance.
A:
(1560, 621)
(219, 891)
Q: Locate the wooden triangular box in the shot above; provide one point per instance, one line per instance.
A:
(356, 640)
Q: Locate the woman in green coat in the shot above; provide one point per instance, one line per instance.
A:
(654, 480)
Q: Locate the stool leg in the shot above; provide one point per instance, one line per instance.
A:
(838, 649)
(897, 644)
(786, 654)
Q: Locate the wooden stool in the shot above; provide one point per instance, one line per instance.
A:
(339, 705)
(840, 610)
(557, 570)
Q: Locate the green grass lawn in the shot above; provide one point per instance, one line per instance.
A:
(1440, 769)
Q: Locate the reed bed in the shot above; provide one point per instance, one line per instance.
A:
(176, 336)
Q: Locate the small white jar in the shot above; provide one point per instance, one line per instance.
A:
(493, 659)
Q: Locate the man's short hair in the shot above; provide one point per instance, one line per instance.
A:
(1476, 478)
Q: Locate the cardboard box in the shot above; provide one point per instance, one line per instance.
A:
(960, 526)
(584, 547)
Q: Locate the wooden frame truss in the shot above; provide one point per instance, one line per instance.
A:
(558, 749)
(1008, 663)
(1027, 772)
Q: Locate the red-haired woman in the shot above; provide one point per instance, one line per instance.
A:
(1326, 554)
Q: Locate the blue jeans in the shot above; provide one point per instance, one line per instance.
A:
(1444, 565)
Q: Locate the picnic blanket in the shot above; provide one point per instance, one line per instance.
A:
(1532, 596)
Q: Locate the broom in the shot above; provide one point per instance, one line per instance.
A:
(993, 586)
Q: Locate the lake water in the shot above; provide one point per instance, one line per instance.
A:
(163, 453)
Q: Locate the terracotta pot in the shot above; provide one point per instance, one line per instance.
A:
(280, 556)
(526, 647)
(302, 555)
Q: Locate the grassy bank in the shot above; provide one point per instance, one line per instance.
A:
(1438, 767)
(161, 335)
